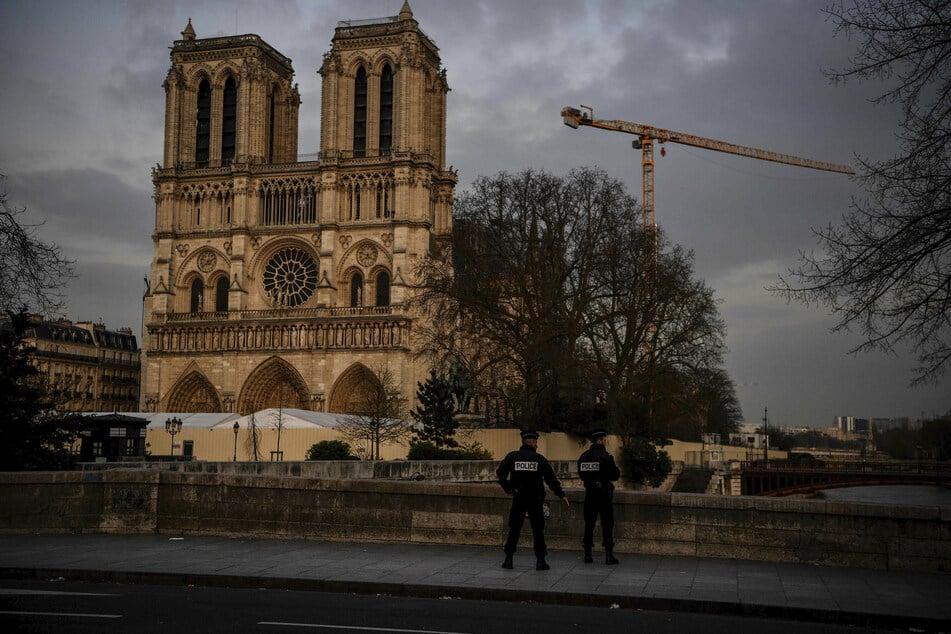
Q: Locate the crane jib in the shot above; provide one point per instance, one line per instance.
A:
(574, 118)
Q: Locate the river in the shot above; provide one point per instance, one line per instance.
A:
(910, 495)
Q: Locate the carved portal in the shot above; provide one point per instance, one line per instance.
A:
(274, 383)
(193, 393)
(354, 389)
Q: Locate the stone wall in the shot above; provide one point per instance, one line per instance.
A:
(431, 470)
(136, 501)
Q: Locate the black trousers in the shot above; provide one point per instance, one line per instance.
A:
(536, 517)
(599, 502)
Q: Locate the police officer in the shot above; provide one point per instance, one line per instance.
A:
(598, 471)
(523, 475)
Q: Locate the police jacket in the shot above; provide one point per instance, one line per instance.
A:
(597, 469)
(524, 473)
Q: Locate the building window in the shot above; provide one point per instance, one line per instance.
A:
(356, 290)
(288, 203)
(203, 124)
(272, 115)
(290, 278)
(197, 297)
(229, 121)
(360, 113)
(221, 295)
(386, 110)
(383, 289)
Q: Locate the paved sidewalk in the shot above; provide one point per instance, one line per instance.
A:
(813, 593)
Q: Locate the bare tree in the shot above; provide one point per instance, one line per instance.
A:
(558, 301)
(252, 443)
(650, 327)
(381, 418)
(31, 271)
(509, 300)
(886, 269)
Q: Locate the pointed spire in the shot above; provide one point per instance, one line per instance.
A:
(189, 32)
(406, 13)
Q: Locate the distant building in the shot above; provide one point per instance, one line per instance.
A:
(845, 423)
(94, 368)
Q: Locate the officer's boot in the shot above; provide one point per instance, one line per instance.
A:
(587, 555)
(541, 565)
(609, 557)
(507, 564)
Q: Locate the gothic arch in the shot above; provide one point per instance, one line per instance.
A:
(262, 255)
(380, 60)
(223, 72)
(219, 283)
(352, 390)
(350, 258)
(191, 266)
(274, 383)
(193, 393)
(197, 73)
(354, 64)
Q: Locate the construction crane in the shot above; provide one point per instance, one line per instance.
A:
(646, 135)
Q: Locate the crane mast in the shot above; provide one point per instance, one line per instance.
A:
(646, 135)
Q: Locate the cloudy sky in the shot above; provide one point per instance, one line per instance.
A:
(82, 116)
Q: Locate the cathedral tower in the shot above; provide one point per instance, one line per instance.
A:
(279, 282)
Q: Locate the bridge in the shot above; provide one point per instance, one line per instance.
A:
(777, 478)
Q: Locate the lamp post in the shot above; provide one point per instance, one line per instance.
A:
(173, 426)
(236, 428)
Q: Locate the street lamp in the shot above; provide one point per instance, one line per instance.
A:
(173, 426)
(236, 428)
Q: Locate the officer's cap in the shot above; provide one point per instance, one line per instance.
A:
(529, 435)
(595, 435)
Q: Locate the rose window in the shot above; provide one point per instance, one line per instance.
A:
(290, 278)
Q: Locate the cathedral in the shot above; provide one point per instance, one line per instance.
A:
(282, 282)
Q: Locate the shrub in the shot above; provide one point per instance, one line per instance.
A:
(425, 450)
(330, 450)
(641, 462)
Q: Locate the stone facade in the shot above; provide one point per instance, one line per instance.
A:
(279, 282)
(95, 369)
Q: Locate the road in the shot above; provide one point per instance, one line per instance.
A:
(59, 606)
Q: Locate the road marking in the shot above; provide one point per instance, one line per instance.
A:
(17, 591)
(354, 627)
(70, 614)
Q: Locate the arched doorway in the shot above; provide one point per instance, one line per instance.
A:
(274, 383)
(355, 390)
(193, 393)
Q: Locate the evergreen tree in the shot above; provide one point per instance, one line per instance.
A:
(436, 413)
(36, 436)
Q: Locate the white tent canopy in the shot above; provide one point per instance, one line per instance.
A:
(289, 418)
